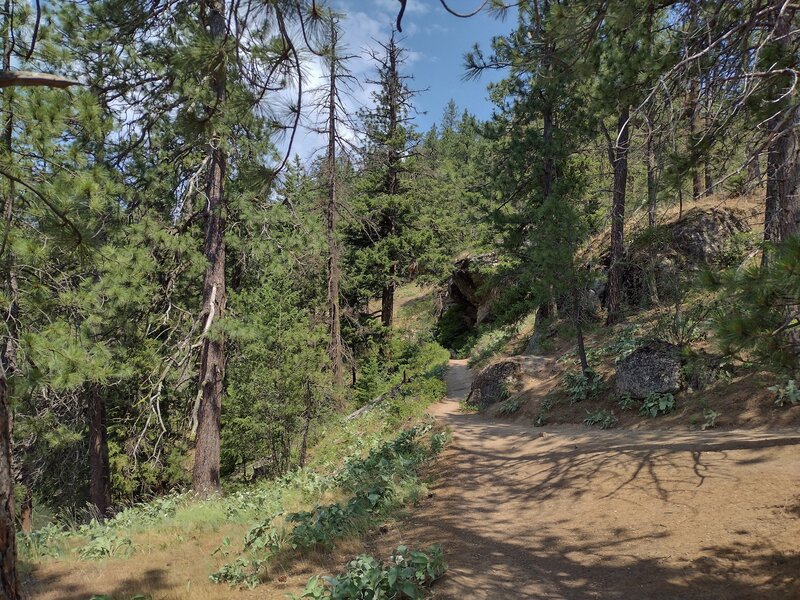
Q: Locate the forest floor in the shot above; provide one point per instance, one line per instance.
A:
(573, 513)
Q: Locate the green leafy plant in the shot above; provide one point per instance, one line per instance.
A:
(105, 543)
(786, 393)
(582, 386)
(508, 407)
(626, 402)
(657, 404)
(710, 417)
(47, 542)
(376, 483)
(601, 417)
(406, 575)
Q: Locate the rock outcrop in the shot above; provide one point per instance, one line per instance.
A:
(468, 289)
(658, 261)
(654, 368)
(503, 379)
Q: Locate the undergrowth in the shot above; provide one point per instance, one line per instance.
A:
(336, 442)
(388, 477)
(407, 574)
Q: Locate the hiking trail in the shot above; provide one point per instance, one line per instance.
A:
(574, 513)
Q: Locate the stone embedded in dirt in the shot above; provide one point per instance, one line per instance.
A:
(652, 368)
(502, 379)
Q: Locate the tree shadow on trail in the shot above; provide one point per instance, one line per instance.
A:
(61, 585)
(626, 516)
(553, 569)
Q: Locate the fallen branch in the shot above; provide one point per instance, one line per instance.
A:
(377, 400)
(31, 79)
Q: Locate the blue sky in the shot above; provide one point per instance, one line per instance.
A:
(436, 42)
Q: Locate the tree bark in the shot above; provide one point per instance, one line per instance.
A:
(99, 469)
(387, 301)
(8, 544)
(620, 164)
(205, 476)
(335, 347)
(694, 129)
(782, 206)
(652, 188)
(9, 588)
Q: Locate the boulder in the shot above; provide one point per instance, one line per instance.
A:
(660, 260)
(502, 379)
(654, 368)
(702, 235)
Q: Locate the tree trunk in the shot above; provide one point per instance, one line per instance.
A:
(387, 301)
(8, 544)
(9, 589)
(694, 130)
(709, 178)
(782, 206)
(392, 183)
(99, 470)
(205, 476)
(577, 315)
(335, 347)
(652, 189)
(753, 165)
(620, 165)
(26, 511)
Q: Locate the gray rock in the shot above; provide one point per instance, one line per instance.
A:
(652, 368)
(674, 253)
(502, 379)
(703, 234)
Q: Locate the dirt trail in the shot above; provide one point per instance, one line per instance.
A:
(578, 513)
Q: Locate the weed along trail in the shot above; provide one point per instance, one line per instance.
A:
(576, 514)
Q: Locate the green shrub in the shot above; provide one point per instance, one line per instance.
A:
(786, 393)
(376, 483)
(407, 575)
(626, 402)
(508, 407)
(453, 332)
(105, 543)
(601, 417)
(582, 386)
(710, 417)
(657, 404)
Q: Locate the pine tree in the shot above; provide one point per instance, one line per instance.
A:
(536, 171)
(388, 207)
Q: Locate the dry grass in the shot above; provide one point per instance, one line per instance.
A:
(168, 568)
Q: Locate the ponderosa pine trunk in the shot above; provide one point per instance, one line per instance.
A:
(205, 476)
(392, 184)
(8, 544)
(620, 164)
(652, 190)
(9, 588)
(782, 205)
(694, 128)
(387, 300)
(335, 347)
(99, 469)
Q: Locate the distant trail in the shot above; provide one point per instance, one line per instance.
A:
(575, 513)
